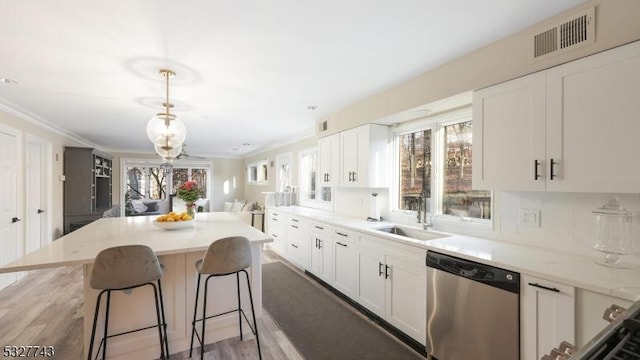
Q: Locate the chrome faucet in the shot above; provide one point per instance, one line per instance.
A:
(422, 211)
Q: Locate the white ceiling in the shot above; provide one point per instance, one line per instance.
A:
(246, 70)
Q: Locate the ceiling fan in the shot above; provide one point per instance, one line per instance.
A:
(185, 155)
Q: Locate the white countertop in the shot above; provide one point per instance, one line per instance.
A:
(571, 269)
(82, 245)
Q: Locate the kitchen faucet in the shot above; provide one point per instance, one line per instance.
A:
(422, 212)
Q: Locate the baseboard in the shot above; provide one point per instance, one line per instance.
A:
(409, 341)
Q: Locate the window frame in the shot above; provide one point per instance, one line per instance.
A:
(149, 163)
(436, 123)
(263, 163)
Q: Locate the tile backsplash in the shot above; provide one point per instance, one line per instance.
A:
(566, 220)
(566, 223)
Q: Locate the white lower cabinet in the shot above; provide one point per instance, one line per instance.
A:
(321, 248)
(297, 245)
(276, 229)
(345, 262)
(393, 284)
(547, 316)
(372, 285)
(406, 296)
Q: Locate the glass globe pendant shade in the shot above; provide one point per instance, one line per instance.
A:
(167, 141)
(157, 127)
(168, 152)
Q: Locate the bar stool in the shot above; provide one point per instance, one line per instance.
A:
(225, 256)
(125, 268)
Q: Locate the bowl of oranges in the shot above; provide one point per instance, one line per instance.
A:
(174, 221)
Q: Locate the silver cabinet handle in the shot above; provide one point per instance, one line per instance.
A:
(341, 244)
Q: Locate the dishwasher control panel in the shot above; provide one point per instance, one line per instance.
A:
(487, 274)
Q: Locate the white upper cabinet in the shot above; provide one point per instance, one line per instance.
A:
(329, 160)
(593, 116)
(364, 154)
(572, 128)
(509, 135)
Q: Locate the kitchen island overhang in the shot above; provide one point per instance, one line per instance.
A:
(177, 250)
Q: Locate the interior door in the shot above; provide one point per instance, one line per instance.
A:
(36, 195)
(9, 225)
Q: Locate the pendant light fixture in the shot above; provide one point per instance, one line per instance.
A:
(165, 130)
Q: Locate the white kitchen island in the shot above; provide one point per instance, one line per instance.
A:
(177, 250)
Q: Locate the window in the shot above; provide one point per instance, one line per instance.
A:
(257, 172)
(441, 145)
(458, 197)
(284, 177)
(415, 169)
(146, 181)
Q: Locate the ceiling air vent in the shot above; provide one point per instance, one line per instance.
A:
(566, 35)
(323, 126)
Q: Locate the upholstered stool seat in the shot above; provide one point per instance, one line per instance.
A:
(225, 256)
(125, 268)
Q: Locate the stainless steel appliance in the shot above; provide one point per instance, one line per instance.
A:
(619, 340)
(473, 310)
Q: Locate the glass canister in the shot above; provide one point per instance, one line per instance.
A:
(613, 238)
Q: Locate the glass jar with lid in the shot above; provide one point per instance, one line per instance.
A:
(613, 238)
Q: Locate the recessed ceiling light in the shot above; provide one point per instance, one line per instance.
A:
(312, 107)
(8, 81)
(235, 149)
(246, 144)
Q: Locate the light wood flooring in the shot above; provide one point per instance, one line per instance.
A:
(45, 308)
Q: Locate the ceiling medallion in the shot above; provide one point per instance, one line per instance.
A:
(165, 130)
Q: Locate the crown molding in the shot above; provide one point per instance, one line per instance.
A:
(34, 119)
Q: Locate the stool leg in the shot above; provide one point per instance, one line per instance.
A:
(155, 298)
(195, 312)
(253, 314)
(239, 304)
(106, 324)
(204, 316)
(164, 320)
(93, 328)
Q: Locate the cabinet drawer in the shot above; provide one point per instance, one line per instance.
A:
(321, 229)
(341, 234)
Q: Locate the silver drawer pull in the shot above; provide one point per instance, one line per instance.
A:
(318, 227)
(341, 234)
(341, 244)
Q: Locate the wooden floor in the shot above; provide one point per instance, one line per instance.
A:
(45, 308)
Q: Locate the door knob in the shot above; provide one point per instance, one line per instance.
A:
(15, 220)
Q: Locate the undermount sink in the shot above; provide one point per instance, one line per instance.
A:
(411, 232)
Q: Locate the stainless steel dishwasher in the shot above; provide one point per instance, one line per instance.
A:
(473, 310)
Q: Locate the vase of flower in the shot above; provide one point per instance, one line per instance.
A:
(189, 193)
(191, 209)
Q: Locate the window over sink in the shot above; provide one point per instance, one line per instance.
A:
(433, 163)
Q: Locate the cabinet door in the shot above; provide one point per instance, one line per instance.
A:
(345, 266)
(509, 135)
(593, 125)
(371, 287)
(548, 316)
(329, 160)
(349, 154)
(406, 297)
(321, 250)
